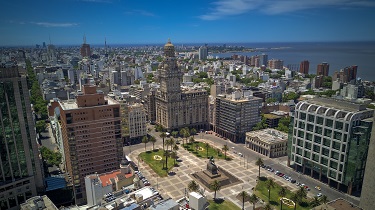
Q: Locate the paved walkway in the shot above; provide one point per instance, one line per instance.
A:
(174, 186)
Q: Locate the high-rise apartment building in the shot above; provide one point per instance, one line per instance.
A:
(329, 140)
(203, 53)
(304, 67)
(235, 115)
(263, 59)
(276, 64)
(351, 72)
(21, 175)
(91, 133)
(322, 69)
(176, 107)
(85, 48)
(348, 74)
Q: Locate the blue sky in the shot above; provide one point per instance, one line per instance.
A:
(193, 21)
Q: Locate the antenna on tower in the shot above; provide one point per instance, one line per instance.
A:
(50, 39)
(84, 39)
(105, 44)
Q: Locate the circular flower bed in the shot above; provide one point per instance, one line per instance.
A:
(157, 157)
(287, 202)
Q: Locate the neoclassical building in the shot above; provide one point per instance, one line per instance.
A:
(178, 107)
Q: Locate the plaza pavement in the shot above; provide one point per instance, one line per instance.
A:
(174, 186)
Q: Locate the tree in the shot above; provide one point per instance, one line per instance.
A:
(174, 156)
(40, 126)
(295, 199)
(207, 145)
(145, 141)
(166, 155)
(174, 134)
(53, 158)
(215, 186)
(259, 163)
(315, 202)
(245, 196)
(193, 186)
(290, 96)
(253, 199)
(269, 185)
(267, 207)
(153, 141)
(193, 131)
(175, 149)
(170, 142)
(282, 193)
(324, 199)
(191, 140)
(186, 133)
(163, 135)
(225, 149)
(302, 193)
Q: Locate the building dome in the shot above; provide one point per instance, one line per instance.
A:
(169, 49)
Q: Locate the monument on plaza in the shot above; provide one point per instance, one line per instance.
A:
(212, 173)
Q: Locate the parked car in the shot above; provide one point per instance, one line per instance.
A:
(319, 194)
(318, 188)
(293, 181)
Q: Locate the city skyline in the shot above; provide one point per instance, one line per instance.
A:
(214, 21)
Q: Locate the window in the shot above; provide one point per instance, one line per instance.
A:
(307, 154)
(336, 145)
(319, 120)
(302, 116)
(325, 152)
(318, 129)
(337, 135)
(316, 148)
(315, 157)
(327, 132)
(324, 161)
(309, 136)
(311, 118)
(332, 174)
(329, 123)
(326, 142)
(301, 134)
(339, 125)
(318, 139)
(307, 145)
(333, 164)
(310, 127)
(301, 125)
(335, 155)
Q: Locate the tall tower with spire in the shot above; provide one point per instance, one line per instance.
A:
(85, 48)
(176, 107)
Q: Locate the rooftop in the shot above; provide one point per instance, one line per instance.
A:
(107, 177)
(338, 204)
(38, 202)
(72, 104)
(269, 135)
(337, 104)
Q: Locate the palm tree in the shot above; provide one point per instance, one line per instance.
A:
(302, 193)
(166, 155)
(269, 185)
(193, 131)
(145, 141)
(174, 156)
(193, 186)
(186, 133)
(191, 140)
(163, 135)
(245, 196)
(324, 199)
(267, 207)
(153, 140)
(225, 149)
(182, 132)
(253, 199)
(315, 201)
(295, 199)
(207, 145)
(282, 193)
(215, 186)
(174, 134)
(259, 163)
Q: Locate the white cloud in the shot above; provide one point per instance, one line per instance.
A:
(50, 24)
(225, 8)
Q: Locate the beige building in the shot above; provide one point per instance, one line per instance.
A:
(268, 142)
(38, 202)
(91, 133)
(234, 115)
(177, 107)
(137, 120)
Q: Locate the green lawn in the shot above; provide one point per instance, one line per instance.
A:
(202, 153)
(157, 165)
(222, 205)
(262, 192)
